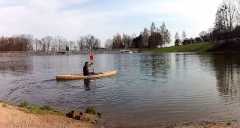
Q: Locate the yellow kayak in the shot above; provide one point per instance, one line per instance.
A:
(82, 77)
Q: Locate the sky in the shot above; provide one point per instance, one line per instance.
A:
(103, 18)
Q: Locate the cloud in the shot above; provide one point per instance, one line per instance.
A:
(193, 15)
(72, 18)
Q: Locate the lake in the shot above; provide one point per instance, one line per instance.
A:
(150, 89)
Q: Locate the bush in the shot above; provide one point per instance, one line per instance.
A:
(91, 110)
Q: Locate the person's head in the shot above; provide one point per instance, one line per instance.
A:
(86, 63)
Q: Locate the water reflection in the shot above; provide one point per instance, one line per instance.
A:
(181, 60)
(87, 84)
(155, 65)
(16, 64)
(227, 69)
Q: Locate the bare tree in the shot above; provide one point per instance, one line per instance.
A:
(177, 39)
(166, 37)
(226, 16)
(155, 40)
(108, 43)
(231, 10)
(153, 28)
(184, 35)
(145, 35)
(88, 42)
(16, 43)
(47, 42)
(117, 41)
(127, 40)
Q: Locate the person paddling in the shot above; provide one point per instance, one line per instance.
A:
(87, 65)
(85, 69)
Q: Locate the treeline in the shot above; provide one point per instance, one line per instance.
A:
(149, 38)
(226, 26)
(19, 43)
(47, 44)
(227, 22)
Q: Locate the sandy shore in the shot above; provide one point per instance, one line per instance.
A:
(15, 117)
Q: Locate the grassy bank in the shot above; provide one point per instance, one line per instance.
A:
(35, 109)
(199, 47)
(32, 116)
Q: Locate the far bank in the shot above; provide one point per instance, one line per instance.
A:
(227, 46)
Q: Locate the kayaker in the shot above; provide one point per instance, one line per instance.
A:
(86, 69)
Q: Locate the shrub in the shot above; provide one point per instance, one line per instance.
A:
(91, 110)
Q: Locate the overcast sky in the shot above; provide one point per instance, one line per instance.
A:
(103, 18)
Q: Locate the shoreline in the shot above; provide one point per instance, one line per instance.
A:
(207, 124)
(31, 116)
(203, 47)
(12, 116)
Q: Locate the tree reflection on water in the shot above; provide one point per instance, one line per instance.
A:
(15, 65)
(227, 70)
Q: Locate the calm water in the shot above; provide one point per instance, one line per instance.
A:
(150, 89)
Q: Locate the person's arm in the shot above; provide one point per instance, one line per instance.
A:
(90, 64)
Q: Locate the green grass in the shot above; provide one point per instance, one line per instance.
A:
(38, 109)
(198, 47)
(93, 111)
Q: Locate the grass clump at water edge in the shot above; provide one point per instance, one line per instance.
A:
(38, 109)
(93, 111)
